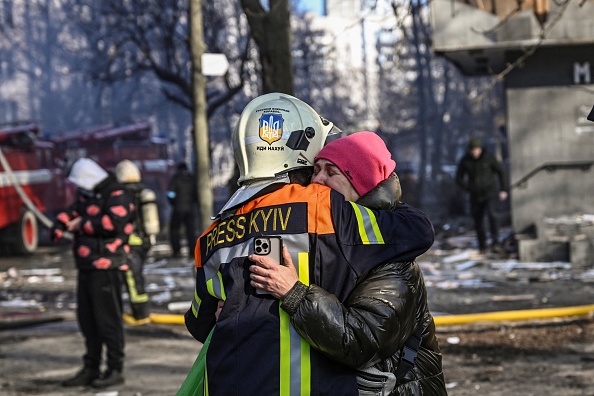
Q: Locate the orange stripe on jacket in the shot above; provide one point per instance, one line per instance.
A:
(316, 196)
(318, 204)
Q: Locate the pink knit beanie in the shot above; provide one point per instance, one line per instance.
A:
(363, 158)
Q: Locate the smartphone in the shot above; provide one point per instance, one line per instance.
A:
(271, 246)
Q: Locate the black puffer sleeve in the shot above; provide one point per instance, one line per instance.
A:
(372, 324)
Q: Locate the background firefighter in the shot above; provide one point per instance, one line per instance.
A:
(101, 222)
(146, 227)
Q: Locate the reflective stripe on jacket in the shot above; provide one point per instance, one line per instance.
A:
(254, 348)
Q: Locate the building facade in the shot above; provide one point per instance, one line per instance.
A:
(545, 55)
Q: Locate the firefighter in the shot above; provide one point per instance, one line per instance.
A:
(146, 227)
(101, 222)
(254, 349)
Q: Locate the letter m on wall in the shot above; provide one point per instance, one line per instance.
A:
(581, 73)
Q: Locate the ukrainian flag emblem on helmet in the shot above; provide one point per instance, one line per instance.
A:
(271, 127)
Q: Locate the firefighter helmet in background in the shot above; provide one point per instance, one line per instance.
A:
(277, 133)
(127, 172)
(86, 174)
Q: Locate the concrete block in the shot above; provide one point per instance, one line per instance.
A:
(535, 250)
(527, 249)
(581, 253)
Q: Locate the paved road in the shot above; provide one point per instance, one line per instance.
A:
(34, 360)
(503, 358)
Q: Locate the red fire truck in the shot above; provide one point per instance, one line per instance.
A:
(33, 186)
(108, 145)
(27, 175)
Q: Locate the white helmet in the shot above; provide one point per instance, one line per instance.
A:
(86, 174)
(277, 133)
(127, 172)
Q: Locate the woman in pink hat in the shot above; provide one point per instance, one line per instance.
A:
(384, 328)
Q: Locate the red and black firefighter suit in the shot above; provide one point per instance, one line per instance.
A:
(100, 249)
(254, 349)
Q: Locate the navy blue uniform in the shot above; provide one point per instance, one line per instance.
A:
(332, 242)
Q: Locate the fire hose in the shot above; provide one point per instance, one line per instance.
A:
(519, 315)
(451, 320)
(26, 200)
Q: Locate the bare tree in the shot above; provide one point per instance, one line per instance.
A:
(427, 103)
(200, 123)
(148, 41)
(271, 30)
(152, 36)
(321, 76)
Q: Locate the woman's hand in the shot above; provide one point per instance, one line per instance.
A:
(272, 277)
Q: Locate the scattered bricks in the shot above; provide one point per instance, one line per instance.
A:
(564, 238)
(568, 226)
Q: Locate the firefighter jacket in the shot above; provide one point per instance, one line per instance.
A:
(254, 349)
(477, 176)
(387, 307)
(101, 242)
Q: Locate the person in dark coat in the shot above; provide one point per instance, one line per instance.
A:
(101, 222)
(387, 312)
(483, 177)
(182, 196)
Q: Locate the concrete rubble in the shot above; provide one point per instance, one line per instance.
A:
(563, 238)
(451, 264)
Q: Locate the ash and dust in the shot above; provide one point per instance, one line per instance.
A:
(40, 344)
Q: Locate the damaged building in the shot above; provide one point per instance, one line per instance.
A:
(543, 51)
